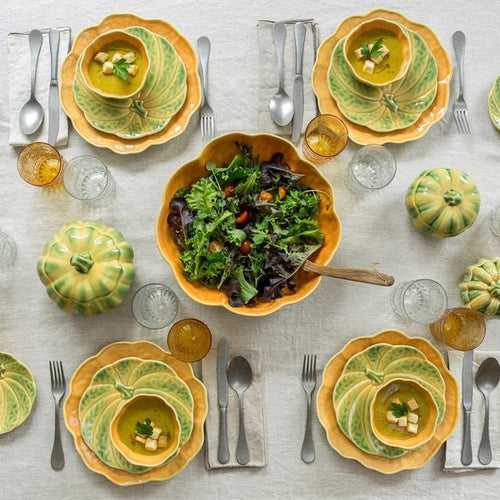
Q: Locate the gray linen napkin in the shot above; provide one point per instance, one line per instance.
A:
(19, 84)
(254, 414)
(268, 74)
(454, 443)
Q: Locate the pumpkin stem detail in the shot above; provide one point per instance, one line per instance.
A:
(126, 391)
(138, 107)
(374, 376)
(495, 289)
(82, 262)
(452, 198)
(391, 102)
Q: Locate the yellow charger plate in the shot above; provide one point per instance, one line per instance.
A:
(178, 122)
(338, 441)
(82, 378)
(363, 135)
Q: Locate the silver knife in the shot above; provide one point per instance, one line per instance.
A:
(298, 82)
(467, 381)
(315, 30)
(54, 36)
(222, 390)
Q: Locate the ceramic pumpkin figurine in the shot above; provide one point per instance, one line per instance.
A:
(443, 202)
(359, 383)
(87, 267)
(480, 287)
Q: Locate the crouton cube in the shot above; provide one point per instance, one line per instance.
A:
(162, 442)
(412, 418)
(132, 70)
(396, 401)
(101, 57)
(413, 428)
(412, 404)
(156, 433)
(107, 68)
(116, 57)
(151, 444)
(391, 418)
(140, 439)
(359, 53)
(369, 66)
(129, 57)
(403, 421)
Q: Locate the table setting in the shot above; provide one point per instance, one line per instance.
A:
(257, 257)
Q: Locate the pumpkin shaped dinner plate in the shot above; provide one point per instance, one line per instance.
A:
(392, 107)
(17, 392)
(155, 120)
(343, 445)
(387, 130)
(494, 103)
(113, 353)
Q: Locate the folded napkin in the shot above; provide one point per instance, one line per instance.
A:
(268, 73)
(254, 414)
(454, 443)
(19, 84)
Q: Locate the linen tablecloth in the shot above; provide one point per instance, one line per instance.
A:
(376, 229)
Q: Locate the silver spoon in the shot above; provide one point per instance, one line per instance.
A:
(280, 105)
(487, 377)
(32, 114)
(239, 376)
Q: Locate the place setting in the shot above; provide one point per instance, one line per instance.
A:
(246, 229)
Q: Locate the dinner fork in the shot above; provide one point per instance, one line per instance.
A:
(309, 384)
(460, 112)
(58, 384)
(207, 120)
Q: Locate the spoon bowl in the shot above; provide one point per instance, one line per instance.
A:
(239, 376)
(487, 378)
(281, 108)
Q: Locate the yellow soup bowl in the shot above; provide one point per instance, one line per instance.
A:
(110, 86)
(391, 434)
(137, 409)
(398, 61)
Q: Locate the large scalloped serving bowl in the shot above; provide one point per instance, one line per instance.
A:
(221, 150)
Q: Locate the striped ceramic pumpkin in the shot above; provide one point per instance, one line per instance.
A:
(119, 382)
(87, 267)
(443, 202)
(17, 392)
(480, 287)
(360, 381)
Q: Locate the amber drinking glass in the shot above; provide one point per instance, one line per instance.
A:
(189, 340)
(460, 328)
(40, 165)
(325, 137)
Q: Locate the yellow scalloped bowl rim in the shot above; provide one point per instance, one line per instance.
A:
(81, 379)
(221, 150)
(338, 440)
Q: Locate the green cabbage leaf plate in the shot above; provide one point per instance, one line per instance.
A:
(494, 103)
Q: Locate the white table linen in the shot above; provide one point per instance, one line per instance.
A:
(376, 229)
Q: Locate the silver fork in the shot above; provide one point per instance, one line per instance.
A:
(58, 385)
(207, 120)
(460, 112)
(309, 384)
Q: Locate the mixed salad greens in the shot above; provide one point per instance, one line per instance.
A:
(246, 228)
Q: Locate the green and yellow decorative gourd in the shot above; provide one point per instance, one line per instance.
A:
(480, 287)
(17, 393)
(360, 381)
(443, 202)
(87, 267)
(119, 382)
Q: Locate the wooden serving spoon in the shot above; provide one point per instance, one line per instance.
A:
(346, 273)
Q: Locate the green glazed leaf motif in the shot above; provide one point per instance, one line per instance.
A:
(359, 383)
(494, 103)
(118, 382)
(395, 106)
(17, 393)
(150, 110)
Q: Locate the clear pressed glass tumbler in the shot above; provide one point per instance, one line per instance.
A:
(423, 301)
(154, 306)
(8, 251)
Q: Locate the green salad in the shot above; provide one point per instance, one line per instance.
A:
(246, 228)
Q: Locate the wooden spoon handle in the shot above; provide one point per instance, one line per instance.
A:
(360, 275)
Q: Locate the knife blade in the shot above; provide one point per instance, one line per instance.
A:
(467, 381)
(298, 82)
(54, 37)
(222, 397)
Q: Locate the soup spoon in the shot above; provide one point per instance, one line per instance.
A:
(281, 105)
(239, 376)
(487, 377)
(31, 115)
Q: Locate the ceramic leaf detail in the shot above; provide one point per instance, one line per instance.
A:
(494, 103)
(393, 107)
(150, 110)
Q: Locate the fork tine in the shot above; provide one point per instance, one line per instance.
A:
(63, 379)
(456, 116)
(212, 126)
(314, 368)
(467, 122)
(59, 376)
(52, 383)
(304, 368)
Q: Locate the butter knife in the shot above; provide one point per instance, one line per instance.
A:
(222, 390)
(467, 381)
(54, 37)
(298, 82)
